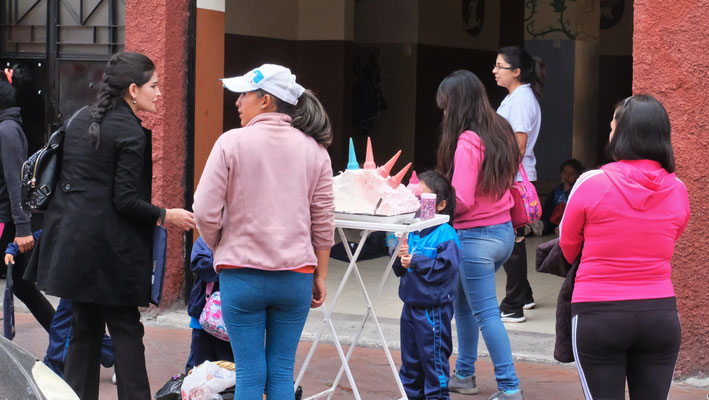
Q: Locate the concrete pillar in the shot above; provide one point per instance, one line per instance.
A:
(209, 93)
(158, 29)
(670, 45)
(588, 17)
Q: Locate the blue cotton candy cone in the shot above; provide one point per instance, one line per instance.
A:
(352, 162)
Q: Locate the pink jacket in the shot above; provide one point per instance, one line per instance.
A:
(473, 208)
(265, 197)
(627, 216)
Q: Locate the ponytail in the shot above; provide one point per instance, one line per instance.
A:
(540, 76)
(308, 116)
(123, 70)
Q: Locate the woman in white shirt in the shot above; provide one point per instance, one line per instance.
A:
(523, 76)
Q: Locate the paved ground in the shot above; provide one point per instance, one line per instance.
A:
(167, 350)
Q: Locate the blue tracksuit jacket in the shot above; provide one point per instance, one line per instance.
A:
(204, 346)
(428, 288)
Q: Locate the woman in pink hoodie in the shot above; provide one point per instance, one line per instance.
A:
(265, 207)
(627, 216)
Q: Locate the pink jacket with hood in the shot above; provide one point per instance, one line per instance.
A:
(265, 197)
(627, 216)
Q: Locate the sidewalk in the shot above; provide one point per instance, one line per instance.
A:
(167, 348)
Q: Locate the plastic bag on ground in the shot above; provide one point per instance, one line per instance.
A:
(206, 380)
(171, 389)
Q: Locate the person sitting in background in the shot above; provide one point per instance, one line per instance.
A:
(204, 346)
(553, 209)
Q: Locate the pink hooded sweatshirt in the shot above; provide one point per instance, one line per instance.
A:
(473, 208)
(627, 216)
(265, 197)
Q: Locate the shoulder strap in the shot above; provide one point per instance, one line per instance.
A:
(74, 115)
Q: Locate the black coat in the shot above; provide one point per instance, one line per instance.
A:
(551, 260)
(96, 241)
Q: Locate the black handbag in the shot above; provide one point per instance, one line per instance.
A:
(40, 173)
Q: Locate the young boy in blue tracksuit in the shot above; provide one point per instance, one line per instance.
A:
(428, 267)
(204, 346)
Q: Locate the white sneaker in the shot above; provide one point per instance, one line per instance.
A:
(113, 379)
(529, 306)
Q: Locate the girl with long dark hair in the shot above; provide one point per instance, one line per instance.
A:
(96, 243)
(479, 153)
(523, 76)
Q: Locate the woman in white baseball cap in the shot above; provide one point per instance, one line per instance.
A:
(264, 205)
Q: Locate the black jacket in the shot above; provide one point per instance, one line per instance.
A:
(97, 237)
(13, 152)
(551, 260)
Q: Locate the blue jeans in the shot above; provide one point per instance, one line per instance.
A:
(260, 304)
(483, 251)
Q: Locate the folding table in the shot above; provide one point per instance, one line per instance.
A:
(368, 227)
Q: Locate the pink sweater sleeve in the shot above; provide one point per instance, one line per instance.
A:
(322, 208)
(466, 165)
(210, 196)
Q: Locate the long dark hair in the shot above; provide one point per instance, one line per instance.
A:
(465, 106)
(123, 69)
(308, 116)
(443, 189)
(643, 132)
(532, 69)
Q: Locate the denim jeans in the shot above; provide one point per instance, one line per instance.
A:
(483, 250)
(260, 304)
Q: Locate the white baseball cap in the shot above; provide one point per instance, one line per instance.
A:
(274, 79)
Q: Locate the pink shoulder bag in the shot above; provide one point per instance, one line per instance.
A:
(526, 208)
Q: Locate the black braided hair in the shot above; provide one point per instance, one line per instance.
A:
(123, 69)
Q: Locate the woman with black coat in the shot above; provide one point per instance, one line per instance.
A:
(97, 238)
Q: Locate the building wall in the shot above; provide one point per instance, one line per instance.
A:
(443, 47)
(164, 40)
(669, 62)
(309, 37)
(321, 44)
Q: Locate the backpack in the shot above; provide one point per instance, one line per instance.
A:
(40, 173)
(526, 207)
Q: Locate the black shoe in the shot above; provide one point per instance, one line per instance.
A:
(517, 316)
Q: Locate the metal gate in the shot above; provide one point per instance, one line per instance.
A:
(59, 49)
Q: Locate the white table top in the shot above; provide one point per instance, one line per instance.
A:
(408, 226)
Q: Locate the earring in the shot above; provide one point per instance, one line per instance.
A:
(134, 101)
(262, 106)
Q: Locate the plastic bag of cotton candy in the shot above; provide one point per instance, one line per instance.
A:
(206, 380)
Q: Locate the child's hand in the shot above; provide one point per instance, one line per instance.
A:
(9, 259)
(406, 260)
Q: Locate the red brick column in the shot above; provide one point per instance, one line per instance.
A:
(158, 29)
(670, 62)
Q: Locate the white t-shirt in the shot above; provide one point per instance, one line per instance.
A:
(521, 109)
